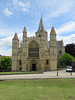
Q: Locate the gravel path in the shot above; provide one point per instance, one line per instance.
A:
(45, 75)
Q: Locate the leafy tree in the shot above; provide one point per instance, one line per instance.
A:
(66, 59)
(5, 62)
(70, 48)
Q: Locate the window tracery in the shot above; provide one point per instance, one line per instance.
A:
(33, 50)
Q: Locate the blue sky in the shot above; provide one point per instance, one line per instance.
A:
(15, 14)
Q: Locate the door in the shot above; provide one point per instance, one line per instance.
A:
(33, 67)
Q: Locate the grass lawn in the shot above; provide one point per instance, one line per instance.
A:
(44, 89)
(32, 72)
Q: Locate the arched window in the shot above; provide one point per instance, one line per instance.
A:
(60, 52)
(20, 62)
(33, 50)
(39, 35)
(47, 62)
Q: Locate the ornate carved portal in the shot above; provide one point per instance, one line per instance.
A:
(33, 50)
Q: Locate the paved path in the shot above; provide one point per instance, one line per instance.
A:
(45, 75)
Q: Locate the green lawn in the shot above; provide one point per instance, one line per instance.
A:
(32, 72)
(44, 89)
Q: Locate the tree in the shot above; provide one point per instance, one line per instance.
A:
(5, 62)
(66, 59)
(70, 48)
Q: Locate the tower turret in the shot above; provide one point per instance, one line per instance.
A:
(15, 44)
(41, 32)
(53, 50)
(52, 34)
(15, 49)
(24, 34)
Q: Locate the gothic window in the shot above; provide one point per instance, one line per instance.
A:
(60, 52)
(20, 62)
(47, 62)
(33, 50)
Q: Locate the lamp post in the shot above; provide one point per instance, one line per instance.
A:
(57, 69)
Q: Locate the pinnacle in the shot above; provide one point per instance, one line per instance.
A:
(15, 36)
(53, 30)
(24, 29)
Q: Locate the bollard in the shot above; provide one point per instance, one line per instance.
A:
(57, 73)
(70, 73)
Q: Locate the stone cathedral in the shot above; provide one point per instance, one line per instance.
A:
(36, 53)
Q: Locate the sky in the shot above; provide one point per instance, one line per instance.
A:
(15, 14)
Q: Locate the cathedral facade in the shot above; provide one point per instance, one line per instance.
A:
(36, 53)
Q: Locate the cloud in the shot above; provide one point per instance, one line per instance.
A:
(20, 5)
(62, 8)
(25, 6)
(6, 45)
(5, 52)
(67, 39)
(7, 32)
(7, 12)
(67, 27)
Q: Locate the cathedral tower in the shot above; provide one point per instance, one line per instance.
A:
(41, 32)
(53, 50)
(15, 49)
(24, 34)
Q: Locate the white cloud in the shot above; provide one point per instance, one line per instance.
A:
(57, 8)
(7, 12)
(62, 8)
(6, 42)
(67, 39)
(4, 52)
(20, 5)
(24, 6)
(7, 32)
(6, 45)
(67, 27)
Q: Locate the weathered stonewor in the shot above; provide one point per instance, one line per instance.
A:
(36, 53)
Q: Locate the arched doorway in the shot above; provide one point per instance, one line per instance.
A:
(19, 65)
(33, 65)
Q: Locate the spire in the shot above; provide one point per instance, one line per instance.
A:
(53, 31)
(15, 36)
(24, 31)
(41, 25)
